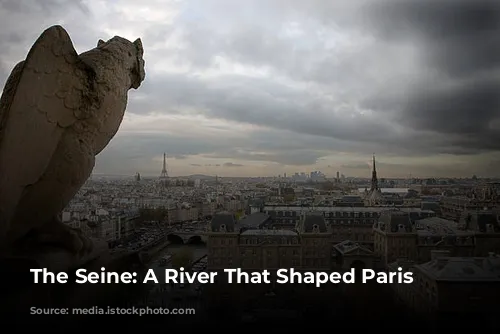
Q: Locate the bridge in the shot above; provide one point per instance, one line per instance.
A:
(178, 236)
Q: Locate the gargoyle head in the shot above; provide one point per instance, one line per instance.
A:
(132, 55)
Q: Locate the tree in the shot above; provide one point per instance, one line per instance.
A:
(239, 214)
(183, 258)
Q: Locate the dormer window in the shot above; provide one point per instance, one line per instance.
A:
(315, 228)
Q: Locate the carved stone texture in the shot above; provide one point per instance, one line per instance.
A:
(58, 110)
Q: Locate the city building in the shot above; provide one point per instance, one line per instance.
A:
(348, 254)
(479, 198)
(346, 223)
(308, 247)
(399, 235)
(447, 284)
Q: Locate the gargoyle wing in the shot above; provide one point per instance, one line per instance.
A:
(43, 96)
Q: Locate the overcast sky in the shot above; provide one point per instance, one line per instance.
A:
(264, 87)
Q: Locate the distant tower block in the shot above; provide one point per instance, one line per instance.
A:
(164, 173)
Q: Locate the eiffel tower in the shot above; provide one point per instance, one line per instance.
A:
(164, 173)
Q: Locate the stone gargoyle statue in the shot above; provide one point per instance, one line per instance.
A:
(58, 110)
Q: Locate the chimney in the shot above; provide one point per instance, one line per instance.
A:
(436, 254)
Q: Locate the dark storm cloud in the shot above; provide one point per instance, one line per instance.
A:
(257, 101)
(460, 36)
(259, 45)
(467, 109)
(460, 44)
(21, 22)
(315, 77)
(454, 109)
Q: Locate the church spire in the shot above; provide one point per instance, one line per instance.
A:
(374, 176)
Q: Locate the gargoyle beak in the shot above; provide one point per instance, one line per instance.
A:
(140, 74)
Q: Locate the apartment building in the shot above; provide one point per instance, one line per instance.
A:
(397, 235)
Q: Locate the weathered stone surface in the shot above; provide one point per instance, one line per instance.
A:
(58, 110)
(61, 260)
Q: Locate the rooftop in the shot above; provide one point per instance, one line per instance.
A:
(269, 232)
(348, 246)
(458, 269)
(312, 222)
(254, 220)
(343, 209)
(438, 226)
